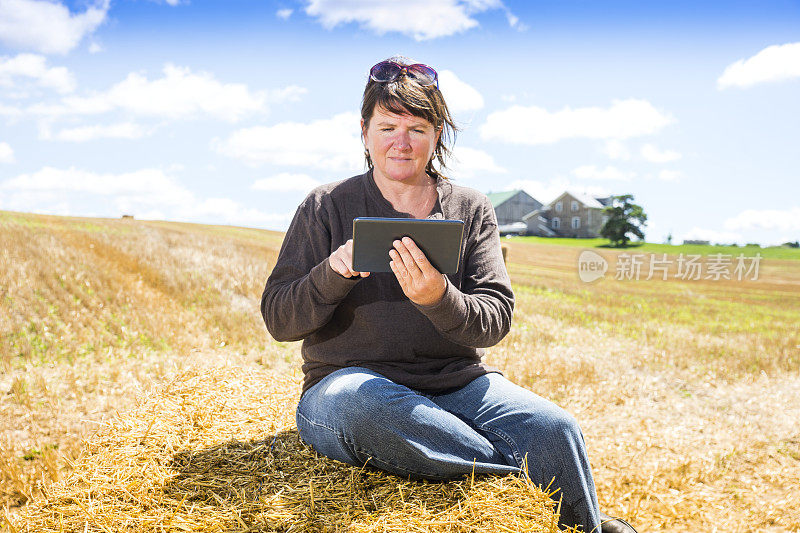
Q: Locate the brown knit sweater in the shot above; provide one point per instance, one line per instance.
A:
(369, 322)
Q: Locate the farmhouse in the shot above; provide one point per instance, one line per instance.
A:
(510, 207)
(570, 215)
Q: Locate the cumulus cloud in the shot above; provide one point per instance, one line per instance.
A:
(654, 155)
(773, 63)
(179, 93)
(6, 153)
(148, 193)
(9, 111)
(182, 93)
(547, 191)
(460, 96)
(769, 219)
(284, 13)
(331, 144)
(670, 175)
(419, 19)
(33, 68)
(46, 26)
(286, 182)
(141, 182)
(122, 130)
(535, 125)
(468, 163)
(615, 149)
(592, 172)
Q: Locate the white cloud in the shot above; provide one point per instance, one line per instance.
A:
(332, 144)
(153, 182)
(548, 191)
(769, 219)
(713, 236)
(654, 155)
(290, 93)
(34, 68)
(284, 13)
(460, 96)
(95, 48)
(535, 125)
(179, 93)
(773, 63)
(123, 130)
(286, 182)
(8, 111)
(670, 175)
(6, 153)
(419, 19)
(46, 26)
(468, 163)
(615, 149)
(609, 173)
(146, 193)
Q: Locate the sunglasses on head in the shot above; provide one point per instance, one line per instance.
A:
(387, 71)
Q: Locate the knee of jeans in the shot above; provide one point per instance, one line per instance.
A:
(352, 396)
(561, 425)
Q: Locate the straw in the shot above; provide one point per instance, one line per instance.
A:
(216, 449)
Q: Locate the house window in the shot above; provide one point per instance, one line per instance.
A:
(576, 222)
(558, 207)
(556, 222)
(574, 205)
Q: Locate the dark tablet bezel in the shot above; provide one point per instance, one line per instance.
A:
(440, 240)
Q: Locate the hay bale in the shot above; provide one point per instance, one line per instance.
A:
(217, 450)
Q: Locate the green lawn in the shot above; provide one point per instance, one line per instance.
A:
(772, 252)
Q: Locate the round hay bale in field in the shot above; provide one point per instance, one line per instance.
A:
(216, 449)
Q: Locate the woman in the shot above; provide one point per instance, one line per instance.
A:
(392, 361)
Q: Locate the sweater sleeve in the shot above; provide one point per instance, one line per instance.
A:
(479, 314)
(303, 290)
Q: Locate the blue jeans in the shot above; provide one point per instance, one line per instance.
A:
(357, 416)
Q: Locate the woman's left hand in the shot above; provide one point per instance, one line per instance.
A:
(420, 281)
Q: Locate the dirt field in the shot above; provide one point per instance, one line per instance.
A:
(686, 390)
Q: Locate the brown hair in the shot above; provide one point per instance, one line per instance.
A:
(406, 96)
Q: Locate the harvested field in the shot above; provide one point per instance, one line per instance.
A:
(686, 391)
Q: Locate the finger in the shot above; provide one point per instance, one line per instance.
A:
(339, 267)
(399, 273)
(419, 256)
(407, 259)
(397, 265)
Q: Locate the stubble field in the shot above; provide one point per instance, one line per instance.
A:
(686, 390)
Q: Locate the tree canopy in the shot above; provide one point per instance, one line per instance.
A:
(624, 218)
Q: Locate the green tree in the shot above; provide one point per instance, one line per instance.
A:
(623, 218)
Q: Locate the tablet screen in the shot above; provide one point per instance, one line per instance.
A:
(440, 241)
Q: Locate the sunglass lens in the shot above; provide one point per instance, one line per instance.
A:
(424, 74)
(385, 71)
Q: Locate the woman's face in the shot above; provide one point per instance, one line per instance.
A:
(400, 146)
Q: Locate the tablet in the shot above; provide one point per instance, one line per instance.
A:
(440, 240)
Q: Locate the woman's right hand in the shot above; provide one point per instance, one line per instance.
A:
(341, 261)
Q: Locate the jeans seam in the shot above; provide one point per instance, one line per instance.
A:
(390, 463)
(508, 440)
(313, 423)
(358, 449)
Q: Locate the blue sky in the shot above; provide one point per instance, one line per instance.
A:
(230, 112)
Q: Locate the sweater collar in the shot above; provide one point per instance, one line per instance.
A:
(442, 190)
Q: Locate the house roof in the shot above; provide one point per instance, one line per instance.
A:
(588, 201)
(498, 198)
(585, 199)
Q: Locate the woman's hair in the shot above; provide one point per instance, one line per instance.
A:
(406, 96)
